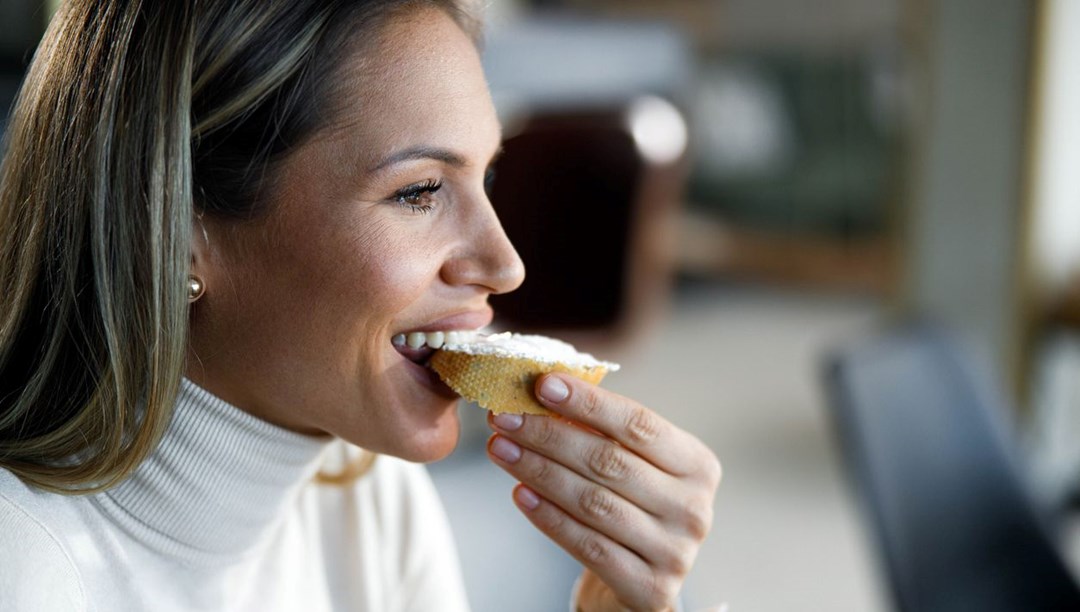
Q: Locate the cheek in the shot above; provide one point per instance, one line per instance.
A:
(390, 268)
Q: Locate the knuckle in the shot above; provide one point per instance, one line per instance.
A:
(674, 555)
(663, 590)
(609, 462)
(681, 563)
(592, 550)
(643, 427)
(554, 522)
(678, 559)
(541, 470)
(714, 471)
(668, 559)
(590, 402)
(544, 433)
(697, 519)
(598, 504)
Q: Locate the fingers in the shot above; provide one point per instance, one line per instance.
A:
(596, 458)
(634, 426)
(621, 489)
(640, 587)
(591, 504)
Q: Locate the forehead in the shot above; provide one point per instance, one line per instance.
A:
(418, 82)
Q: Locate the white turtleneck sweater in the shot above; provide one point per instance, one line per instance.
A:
(224, 515)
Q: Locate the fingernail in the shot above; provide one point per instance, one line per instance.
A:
(507, 421)
(554, 390)
(505, 449)
(526, 498)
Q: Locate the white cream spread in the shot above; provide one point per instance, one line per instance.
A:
(523, 346)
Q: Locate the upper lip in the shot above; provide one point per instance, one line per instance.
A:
(462, 320)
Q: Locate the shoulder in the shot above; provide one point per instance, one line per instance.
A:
(36, 571)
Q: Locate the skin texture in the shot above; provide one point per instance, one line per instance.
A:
(624, 491)
(301, 305)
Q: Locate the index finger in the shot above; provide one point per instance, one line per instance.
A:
(632, 425)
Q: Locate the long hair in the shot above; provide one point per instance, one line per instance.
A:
(135, 117)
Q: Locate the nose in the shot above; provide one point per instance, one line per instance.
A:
(486, 259)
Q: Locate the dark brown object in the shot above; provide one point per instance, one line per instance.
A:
(590, 218)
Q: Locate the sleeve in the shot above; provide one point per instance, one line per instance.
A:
(432, 579)
(35, 571)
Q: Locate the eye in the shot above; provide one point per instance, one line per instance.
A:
(418, 196)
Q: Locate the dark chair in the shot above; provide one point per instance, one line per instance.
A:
(925, 436)
(588, 213)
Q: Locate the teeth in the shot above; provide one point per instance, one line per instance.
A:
(416, 340)
(435, 339)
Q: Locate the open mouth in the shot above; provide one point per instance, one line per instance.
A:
(417, 341)
(418, 346)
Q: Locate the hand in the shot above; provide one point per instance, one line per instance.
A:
(625, 492)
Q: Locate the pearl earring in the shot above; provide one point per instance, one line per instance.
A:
(196, 288)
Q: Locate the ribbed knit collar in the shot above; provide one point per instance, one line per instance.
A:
(215, 485)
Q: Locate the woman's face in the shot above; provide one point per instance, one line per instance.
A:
(378, 227)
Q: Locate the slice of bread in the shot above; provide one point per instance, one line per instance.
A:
(499, 372)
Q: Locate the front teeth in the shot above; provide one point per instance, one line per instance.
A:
(435, 340)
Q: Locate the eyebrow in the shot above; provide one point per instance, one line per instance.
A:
(444, 155)
(423, 152)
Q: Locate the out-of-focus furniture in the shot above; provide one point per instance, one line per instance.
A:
(924, 434)
(592, 217)
(591, 177)
(1054, 397)
(1064, 311)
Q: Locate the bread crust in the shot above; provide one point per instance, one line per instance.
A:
(501, 383)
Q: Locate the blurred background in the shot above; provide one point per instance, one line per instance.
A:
(730, 197)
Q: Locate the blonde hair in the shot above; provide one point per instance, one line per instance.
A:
(135, 116)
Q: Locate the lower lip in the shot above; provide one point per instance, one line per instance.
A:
(429, 379)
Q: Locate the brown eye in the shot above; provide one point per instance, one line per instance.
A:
(417, 197)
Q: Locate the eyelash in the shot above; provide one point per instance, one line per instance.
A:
(407, 197)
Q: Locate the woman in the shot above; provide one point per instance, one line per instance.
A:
(215, 217)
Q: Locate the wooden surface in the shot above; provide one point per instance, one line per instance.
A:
(710, 248)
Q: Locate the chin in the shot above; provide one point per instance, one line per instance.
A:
(420, 422)
(416, 426)
(429, 443)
